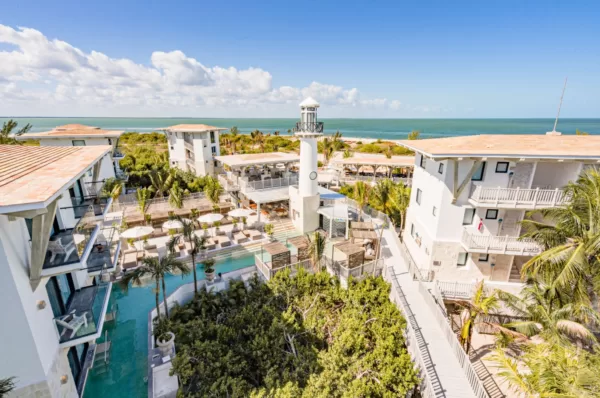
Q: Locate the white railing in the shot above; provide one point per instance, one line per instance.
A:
(465, 290)
(249, 186)
(354, 178)
(269, 272)
(518, 197)
(228, 184)
(340, 269)
(500, 244)
(189, 146)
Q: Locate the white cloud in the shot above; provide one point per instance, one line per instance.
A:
(52, 74)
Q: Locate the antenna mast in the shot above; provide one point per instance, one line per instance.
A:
(560, 104)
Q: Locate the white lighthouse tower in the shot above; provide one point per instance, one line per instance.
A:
(304, 200)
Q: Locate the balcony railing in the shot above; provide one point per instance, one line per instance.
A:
(249, 186)
(466, 290)
(517, 197)
(228, 183)
(308, 127)
(104, 252)
(69, 246)
(89, 205)
(354, 178)
(512, 245)
(84, 315)
(117, 154)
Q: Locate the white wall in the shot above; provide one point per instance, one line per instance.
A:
(555, 175)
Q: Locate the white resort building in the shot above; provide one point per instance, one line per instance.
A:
(82, 135)
(469, 195)
(193, 147)
(53, 259)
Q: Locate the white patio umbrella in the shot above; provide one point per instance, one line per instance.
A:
(210, 218)
(136, 232)
(172, 224)
(237, 213)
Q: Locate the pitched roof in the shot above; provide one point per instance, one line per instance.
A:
(509, 146)
(31, 176)
(193, 128)
(74, 130)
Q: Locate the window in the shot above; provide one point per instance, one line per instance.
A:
(419, 193)
(483, 258)
(212, 137)
(478, 176)
(172, 147)
(213, 149)
(422, 162)
(412, 230)
(462, 259)
(434, 211)
(491, 214)
(468, 216)
(502, 167)
(441, 168)
(78, 142)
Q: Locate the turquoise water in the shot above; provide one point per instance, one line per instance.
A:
(129, 352)
(368, 128)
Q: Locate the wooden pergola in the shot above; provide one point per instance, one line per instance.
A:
(280, 255)
(301, 244)
(354, 254)
(363, 226)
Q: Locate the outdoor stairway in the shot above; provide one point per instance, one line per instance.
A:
(486, 378)
(515, 273)
(445, 374)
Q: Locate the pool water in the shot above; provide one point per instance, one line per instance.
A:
(127, 371)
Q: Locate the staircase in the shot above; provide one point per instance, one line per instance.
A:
(490, 385)
(515, 273)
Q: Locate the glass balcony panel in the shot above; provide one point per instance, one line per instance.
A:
(103, 252)
(84, 313)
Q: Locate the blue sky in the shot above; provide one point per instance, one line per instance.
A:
(404, 59)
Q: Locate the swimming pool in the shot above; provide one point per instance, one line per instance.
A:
(127, 371)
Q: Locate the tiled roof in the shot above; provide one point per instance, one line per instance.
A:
(258, 158)
(193, 128)
(31, 175)
(510, 145)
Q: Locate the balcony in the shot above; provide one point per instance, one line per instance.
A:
(105, 252)
(117, 154)
(516, 198)
(308, 127)
(90, 205)
(267, 183)
(474, 242)
(69, 249)
(84, 316)
(189, 146)
(230, 184)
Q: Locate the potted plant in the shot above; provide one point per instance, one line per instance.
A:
(165, 339)
(148, 219)
(145, 242)
(209, 269)
(235, 221)
(269, 231)
(243, 222)
(217, 225)
(131, 243)
(205, 229)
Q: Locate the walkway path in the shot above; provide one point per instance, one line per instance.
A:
(439, 362)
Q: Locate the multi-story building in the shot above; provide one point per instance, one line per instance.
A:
(193, 147)
(53, 258)
(82, 135)
(470, 194)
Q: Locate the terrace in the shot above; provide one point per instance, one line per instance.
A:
(473, 241)
(516, 198)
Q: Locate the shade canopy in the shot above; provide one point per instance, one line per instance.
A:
(240, 213)
(137, 232)
(339, 210)
(210, 218)
(172, 224)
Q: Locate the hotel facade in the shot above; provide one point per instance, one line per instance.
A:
(53, 258)
(193, 147)
(470, 194)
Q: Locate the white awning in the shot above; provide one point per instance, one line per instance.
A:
(269, 195)
(339, 211)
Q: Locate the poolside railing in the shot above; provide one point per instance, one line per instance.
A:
(268, 272)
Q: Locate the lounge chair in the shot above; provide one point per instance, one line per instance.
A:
(71, 323)
(224, 241)
(129, 259)
(254, 234)
(57, 247)
(151, 252)
(240, 238)
(210, 244)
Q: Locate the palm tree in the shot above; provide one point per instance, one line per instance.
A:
(549, 313)
(6, 386)
(143, 196)
(362, 194)
(276, 133)
(198, 245)
(347, 154)
(161, 181)
(157, 269)
(258, 138)
(7, 137)
(570, 235)
(177, 195)
(414, 135)
(327, 147)
(213, 190)
(401, 199)
(112, 188)
(316, 248)
(479, 306)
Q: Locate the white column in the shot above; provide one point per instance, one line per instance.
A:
(258, 211)
(308, 164)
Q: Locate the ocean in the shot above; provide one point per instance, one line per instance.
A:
(364, 128)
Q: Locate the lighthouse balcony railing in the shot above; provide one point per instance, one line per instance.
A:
(267, 183)
(308, 127)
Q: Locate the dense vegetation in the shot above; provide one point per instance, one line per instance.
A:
(304, 336)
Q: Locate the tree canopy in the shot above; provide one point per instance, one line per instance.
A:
(304, 336)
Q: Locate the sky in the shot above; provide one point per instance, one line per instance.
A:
(363, 59)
